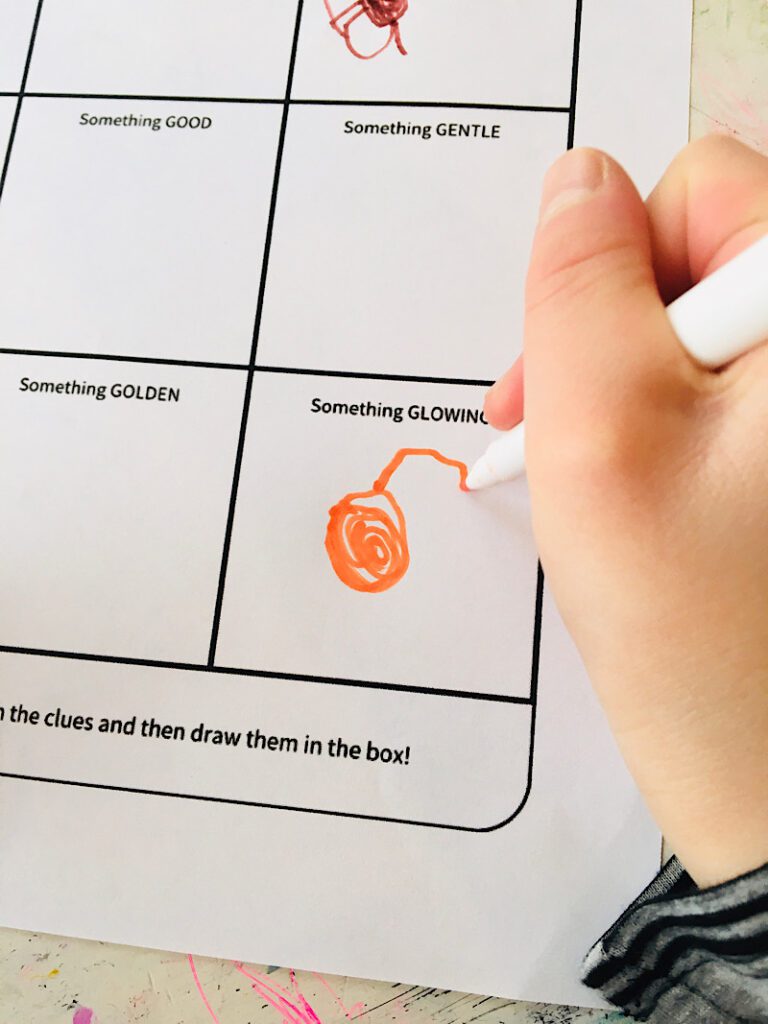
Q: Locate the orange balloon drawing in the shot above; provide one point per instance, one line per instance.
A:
(366, 539)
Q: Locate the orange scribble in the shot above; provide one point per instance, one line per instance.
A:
(366, 539)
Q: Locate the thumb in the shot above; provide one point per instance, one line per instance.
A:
(599, 349)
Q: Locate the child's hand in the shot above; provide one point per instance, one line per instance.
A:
(649, 482)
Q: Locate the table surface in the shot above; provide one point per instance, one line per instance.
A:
(49, 980)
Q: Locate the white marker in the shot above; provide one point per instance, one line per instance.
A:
(719, 319)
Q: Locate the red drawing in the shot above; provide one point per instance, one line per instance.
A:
(384, 14)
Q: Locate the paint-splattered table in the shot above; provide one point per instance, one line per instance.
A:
(47, 980)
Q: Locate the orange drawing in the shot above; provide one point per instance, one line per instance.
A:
(366, 538)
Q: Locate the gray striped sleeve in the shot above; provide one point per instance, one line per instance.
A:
(682, 955)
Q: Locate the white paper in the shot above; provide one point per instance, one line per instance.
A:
(240, 270)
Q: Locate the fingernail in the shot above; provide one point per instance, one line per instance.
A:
(571, 180)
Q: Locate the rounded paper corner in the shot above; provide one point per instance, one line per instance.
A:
(484, 830)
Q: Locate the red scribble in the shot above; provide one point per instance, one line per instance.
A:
(366, 538)
(385, 14)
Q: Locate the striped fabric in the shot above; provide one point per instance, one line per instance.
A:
(681, 955)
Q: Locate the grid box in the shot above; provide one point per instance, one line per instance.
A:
(285, 608)
(461, 51)
(468, 767)
(240, 48)
(434, 286)
(116, 238)
(114, 508)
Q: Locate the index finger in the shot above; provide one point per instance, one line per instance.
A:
(710, 205)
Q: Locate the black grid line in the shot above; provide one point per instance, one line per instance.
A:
(231, 801)
(575, 73)
(156, 97)
(357, 375)
(255, 343)
(256, 673)
(435, 105)
(298, 101)
(247, 367)
(20, 100)
(114, 358)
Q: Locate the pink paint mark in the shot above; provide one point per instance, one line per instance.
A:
(83, 1016)
(279, 998)
(198, 986)
(292, 1004)
(350, 1013)
(731, 113)
(310, 1014)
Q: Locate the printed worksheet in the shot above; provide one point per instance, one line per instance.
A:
(273, 685)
